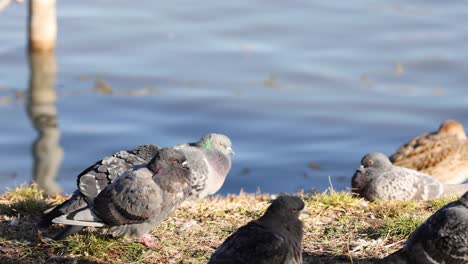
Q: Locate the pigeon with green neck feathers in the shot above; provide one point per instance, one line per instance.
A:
(208, 159)
(209, 162)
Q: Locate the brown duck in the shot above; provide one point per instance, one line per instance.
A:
(442, 154)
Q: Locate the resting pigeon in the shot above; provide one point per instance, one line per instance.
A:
(95, 178)
(442, 154)
(442, 238)
(275, 238)
(139, 199)
(377, 179)
(209, 162)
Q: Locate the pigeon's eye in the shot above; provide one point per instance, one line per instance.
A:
(174, 161)
(370, 162)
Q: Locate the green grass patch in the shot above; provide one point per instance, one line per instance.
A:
(338, 228)
(401, 226)
(439, 203)
(333, 199)
(88, 244)
(24, 192)
(32, 207)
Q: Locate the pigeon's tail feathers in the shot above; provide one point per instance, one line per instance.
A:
(77, 222)
(84, 217)
(75, 203)
(451, 190)
(69, 230)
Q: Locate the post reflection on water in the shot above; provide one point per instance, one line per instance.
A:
(42, 111)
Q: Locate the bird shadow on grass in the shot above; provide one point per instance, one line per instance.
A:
(18, 220)
(49, 260)
(20, 241)
(309, 258)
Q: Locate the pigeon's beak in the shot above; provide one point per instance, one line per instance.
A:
(304, 211)
(184, 164)
(361, 168)
(230, 151)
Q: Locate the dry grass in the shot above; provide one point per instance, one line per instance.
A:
(340, 229)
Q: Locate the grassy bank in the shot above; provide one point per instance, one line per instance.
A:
(340, 229)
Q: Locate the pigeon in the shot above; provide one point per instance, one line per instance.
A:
(139, 199)
(275, 238)
(378, 179)
(209, 162)
(442, 154)
(94, 179)
(442, 238)
(208, 159)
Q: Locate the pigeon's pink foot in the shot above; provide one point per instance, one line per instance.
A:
(148, 241)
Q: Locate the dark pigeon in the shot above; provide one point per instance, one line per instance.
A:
(379, 179)
(275, 238)
(442, 238)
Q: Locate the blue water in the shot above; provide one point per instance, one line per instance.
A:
(290, 82)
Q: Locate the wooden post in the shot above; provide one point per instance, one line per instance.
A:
(42, 111)
(42, 28)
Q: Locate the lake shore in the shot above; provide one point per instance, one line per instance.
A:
(339, 229)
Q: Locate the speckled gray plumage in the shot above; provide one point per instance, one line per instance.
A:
(377, 178)
(209, 162)
(442, 238)
(140, 198)
(96, 177)
(275, 238)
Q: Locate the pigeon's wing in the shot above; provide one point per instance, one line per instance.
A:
(252, 244)
(443, 237)
(198, 167)
(405, 184)
(131, 199)
(96, 177)
(450, 235)
(146, 152)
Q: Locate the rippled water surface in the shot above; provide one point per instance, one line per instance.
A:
(303, 88)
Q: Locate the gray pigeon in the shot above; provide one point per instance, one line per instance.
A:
(139, 199)
(442, 238)
(95, 178)
(275, 238)
(209, 162)
(379, 179)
